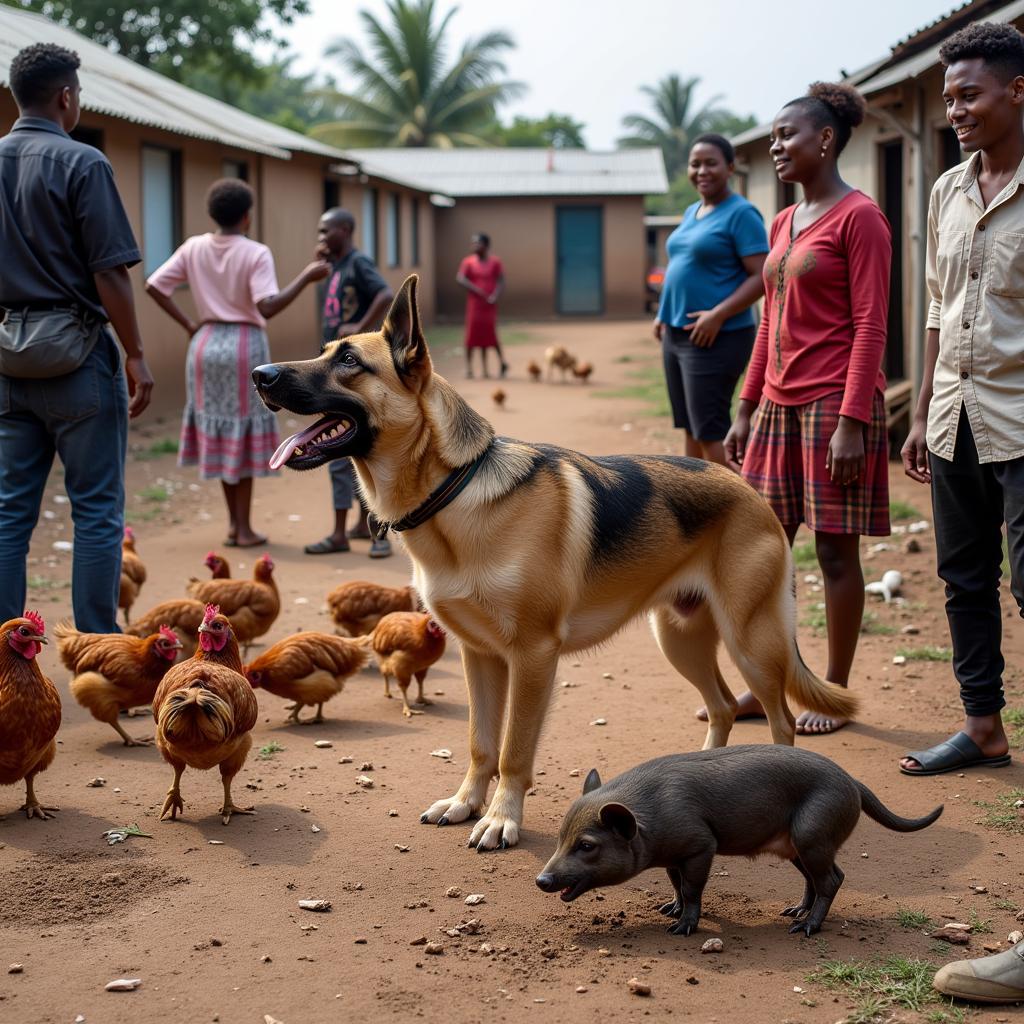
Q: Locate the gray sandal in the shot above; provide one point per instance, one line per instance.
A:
(953, 755)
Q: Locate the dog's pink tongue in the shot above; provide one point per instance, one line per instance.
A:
(288, 447)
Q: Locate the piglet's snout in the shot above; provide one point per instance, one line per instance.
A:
(546, 882)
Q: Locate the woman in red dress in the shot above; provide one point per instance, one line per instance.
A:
(483, 276)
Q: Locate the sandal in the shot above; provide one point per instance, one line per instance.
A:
(953, 755)
(326, 547)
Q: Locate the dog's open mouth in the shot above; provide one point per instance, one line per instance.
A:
(315, 445)
(570, 892)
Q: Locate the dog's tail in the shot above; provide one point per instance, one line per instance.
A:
(874, 808)
(816, 695)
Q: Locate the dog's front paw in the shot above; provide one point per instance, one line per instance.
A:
(449, 812)
(809, 928)
(684, 926)
(494, 832)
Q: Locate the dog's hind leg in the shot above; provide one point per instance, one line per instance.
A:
(690, 643)
(674, 908)
(802, 908)
(826, 876)
(531, 679)
(487, 683)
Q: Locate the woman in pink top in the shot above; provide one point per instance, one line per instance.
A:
(816, 450)
(225, 429)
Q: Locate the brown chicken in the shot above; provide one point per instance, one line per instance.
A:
(251, 605)
(133, 574)
(558, 356)
(29, 709)
(114, 671)
(307, 668)
(582, 371)
(204, 710)
(182, 616)
(534, 371)
(357, 606)
(499, 396)
(406, 645)
(218, 566)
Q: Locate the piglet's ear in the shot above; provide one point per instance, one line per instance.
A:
(592, 781)
(619, 819)
(404, 334)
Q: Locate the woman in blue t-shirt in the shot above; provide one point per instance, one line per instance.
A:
(705, 323)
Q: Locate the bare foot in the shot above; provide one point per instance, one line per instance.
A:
(747, 706)
(813, 723)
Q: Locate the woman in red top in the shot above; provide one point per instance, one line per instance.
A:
(483, 276)
(817, 448)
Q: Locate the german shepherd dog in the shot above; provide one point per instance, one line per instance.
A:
(546, 552)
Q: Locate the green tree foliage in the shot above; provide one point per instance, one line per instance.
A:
(679, 196)
(675, 121)
(277, 94)
(409, 92)
(558, 131)
(171, 36)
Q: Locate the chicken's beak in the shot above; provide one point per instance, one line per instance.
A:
(177, 645)
(204, 628)
(40, 639)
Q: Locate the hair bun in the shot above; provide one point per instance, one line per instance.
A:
(848, 106)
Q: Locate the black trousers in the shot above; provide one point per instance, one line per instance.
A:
(970, 504)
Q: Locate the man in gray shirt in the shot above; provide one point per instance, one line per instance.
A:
(67, 247)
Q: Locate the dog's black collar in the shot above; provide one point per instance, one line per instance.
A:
(445, 493)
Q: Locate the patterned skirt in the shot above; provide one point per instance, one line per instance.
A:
(225, 429)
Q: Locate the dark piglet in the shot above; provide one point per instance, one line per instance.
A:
(678, 812)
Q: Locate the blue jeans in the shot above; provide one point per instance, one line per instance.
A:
(83, 418)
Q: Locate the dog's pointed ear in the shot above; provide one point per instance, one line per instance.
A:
(403, 333)
(619, 819)
(592, 781)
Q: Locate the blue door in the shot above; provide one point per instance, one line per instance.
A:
(580, 259)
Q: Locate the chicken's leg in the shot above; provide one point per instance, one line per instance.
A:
(404, 686)
(173, 801)
(228, 770)
(294, 716)
(129, 741)
(387, 686)
(420, 680)
(32, 807)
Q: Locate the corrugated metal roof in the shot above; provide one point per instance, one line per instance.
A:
(517, 171)
(927, 59)
(883, 74)
(118, 87)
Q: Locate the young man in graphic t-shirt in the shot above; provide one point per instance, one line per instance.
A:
(356, 299)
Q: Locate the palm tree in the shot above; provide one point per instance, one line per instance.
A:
(409, 95)
(675, 122)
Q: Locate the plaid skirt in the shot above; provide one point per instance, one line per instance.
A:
(785, 463)
(225, 429)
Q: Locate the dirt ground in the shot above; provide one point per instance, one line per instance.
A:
(208, 916)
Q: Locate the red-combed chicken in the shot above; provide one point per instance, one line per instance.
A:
(582, 371)
(133, 574)
(251, 605)
(115, 671)
(29, 709)
(357, 606)
(182, 616)
(205, 710)
(406, 645)
(307, 668)
(218, 566)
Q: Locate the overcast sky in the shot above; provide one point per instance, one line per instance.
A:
(588, 58)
